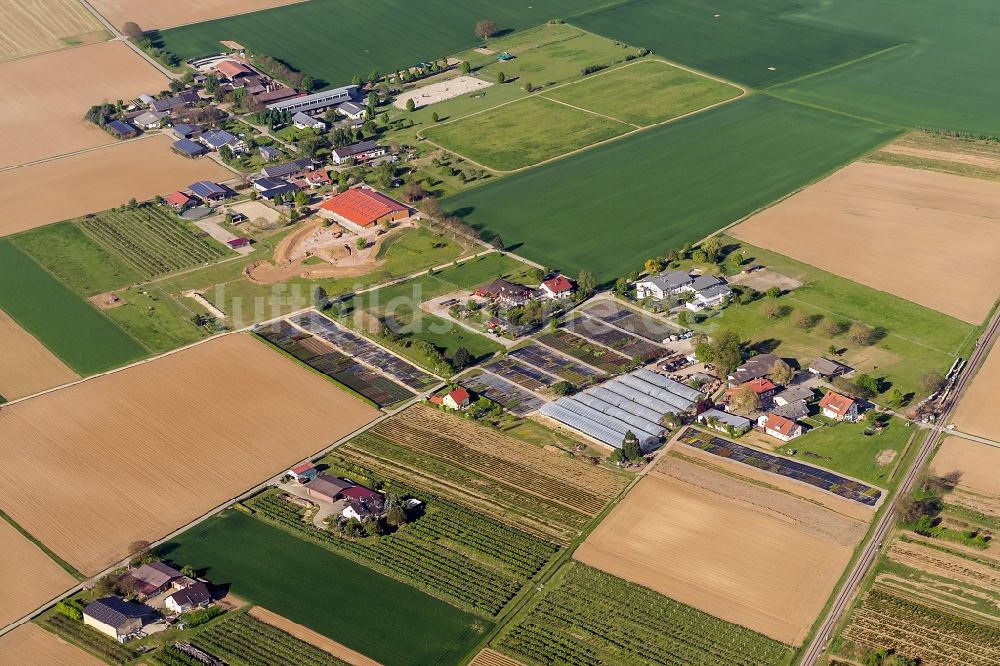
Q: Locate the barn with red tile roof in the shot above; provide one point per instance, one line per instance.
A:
(363, 208)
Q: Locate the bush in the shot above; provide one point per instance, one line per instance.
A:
(202, 616)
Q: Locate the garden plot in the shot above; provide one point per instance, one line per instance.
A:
(64, 84)
(931, 238)
(629, 320)
(36, 26)
(28, 577)
(677, 532)
(30, 645)
(141, 438)
(26, 366)
(511, 396)
(579, 348)
(556, 364)
(306, 634)
(520, 373)
(620, 341)
(439, 92)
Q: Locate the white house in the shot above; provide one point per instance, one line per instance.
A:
(557, 287)
(305, 121)
(709, 298)
(839, 407)
(665, 284)
(457, 399)
(779, 427)
(194, 596)
(714, 418)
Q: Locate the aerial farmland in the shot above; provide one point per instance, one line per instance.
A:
(499, 334)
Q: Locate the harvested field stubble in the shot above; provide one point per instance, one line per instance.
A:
(978, 464)
(35, 26)
(219, 417)
(65, 84)
(28, 577)
(160, 15)
(931, 238)
(977, 413)
(30, 645)
(26, 366)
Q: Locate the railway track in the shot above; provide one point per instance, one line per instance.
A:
(845, 594)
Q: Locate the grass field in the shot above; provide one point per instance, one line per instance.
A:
(77, 333)
(678, 183)
(155, 319)
(524, 133)
(261, 562)
(735, 40)
(406, 35)
(644, 93)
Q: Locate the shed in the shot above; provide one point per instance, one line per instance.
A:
(189, 148)
(326, 487)
(208, 190)
(122, 129)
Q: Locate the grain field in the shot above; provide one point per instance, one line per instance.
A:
(28, 577)
(26, 366)
(30, 645)
(28, 27)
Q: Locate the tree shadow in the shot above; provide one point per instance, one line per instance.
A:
(766, 346)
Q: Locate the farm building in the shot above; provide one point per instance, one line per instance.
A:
(317, 178)
(763, 387)
(317, 101)
(557, 287)
(237, 243)
(326, 487)
(232, 70)
(216, 139)
(150, 579)
(824, 367)
(187, 599)
(303, 473)
(793, 394)
(189, 148)
(121, 129)
(305, 121)
(719, 420)
(186, 131)
(295, 167)
(272, 187)
(208, 190)
(363, 151)
(362, 502)
(182, 98)
(636, 402)
(116, 617)
(270, 153)
(178, 200)
(839, 407)
(754, 368)
(709, 298)
(362, 208)
(670, 283)
(779, 427)
(792, 410)
(351, 110)
(506, 292)
(457, 399)
(150, 119)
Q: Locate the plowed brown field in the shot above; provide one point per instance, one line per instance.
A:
(977, 412)
(26, 366)
(28, 577)
(30, 645)
(766, 560)
(309, 636)
(138, 453)
(36, 26)
(931, 238)
(72, 186)
(978, 463)
(158, 14)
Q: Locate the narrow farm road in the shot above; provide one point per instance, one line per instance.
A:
(117, 36)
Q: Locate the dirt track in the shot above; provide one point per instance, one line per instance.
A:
(26, 366)
(46, 96)
(157, 14)
(30, 645)
(97, 180)
(28, 577)
(760, 567)
(309, 636)
(931, 238)
(135, 454)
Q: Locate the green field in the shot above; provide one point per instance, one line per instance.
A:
(917, 340)
(524, 133)
(347, 39)
(155, 319)
(644, 93)
(794, 37)
(77, 333)
(604, 209)
(325, 592)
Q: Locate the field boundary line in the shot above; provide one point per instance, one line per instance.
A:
(68, 47)
(229, 16)
(117, 36)
(594, 113)
(842, 65)
(776, 94)
(49, 553)
(82, 151)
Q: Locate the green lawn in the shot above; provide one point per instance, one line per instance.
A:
(523, 133)
(741, 41)
(71, 328)
(75, 259)
(605, 209)
(645, 93)
(380, 617)
(155, 319)
(345, 39)
(487, 267)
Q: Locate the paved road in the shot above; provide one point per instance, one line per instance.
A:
(886, 524)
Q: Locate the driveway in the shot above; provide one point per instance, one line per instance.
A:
(326, 509)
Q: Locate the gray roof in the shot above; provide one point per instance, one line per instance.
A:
(328, 485)
(218, 138)
(287, 168)
(712, 292)
(670, 280)
(356, 149)
(754, 368)
(190, 147)
(150, 117)
(315, 100)
(270, 152)
(195, 594)
(705, 282)
(793, 410)
(795, 393)
(674, 387)
(612, 436)
(825, 366)
(115, 611)
(306, 119)
(169, 103)
(350, 108)
(725, 418)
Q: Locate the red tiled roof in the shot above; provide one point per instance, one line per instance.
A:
(359, 493)
(779, 424)
(836, 403)
(762, 385)
(231, 68)
(361, 206)
(177, 199)
(559, 284)
(304, 467)
(459, 395)
(436, 399)
(317, 176)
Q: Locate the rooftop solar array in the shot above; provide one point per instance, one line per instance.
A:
(513, 398)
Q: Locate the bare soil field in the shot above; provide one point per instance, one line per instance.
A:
(26, 366)
(752, 556)
(965, 156)
(30, 645)
(313, 638)
(60, 87)
(138, 453)
(35, 26)
(977, 413)
(160, 15)
(978, 463)
(439, 92)
(931, 238)
(97, 180)
(28, 577)
(488, 657)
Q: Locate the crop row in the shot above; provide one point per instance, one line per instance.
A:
(251, 641)
(583, 350)
(171, 656)
(588, 615)
(75, 631)
(419, 562)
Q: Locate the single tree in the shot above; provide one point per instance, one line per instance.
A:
(781, 372)
(860, 334)
(501, 77)
(585, 284)
(410, 104)
(360, 243)
(497, 243)
(931, 383)
(465, 67)
(703, 352)
(562, 388)
(745, 400)
(684, 318)
(896, 398)
(462, 359)
(802, 320)
(320, 297)
(773, 292)
(528, 88)
(771, 310)
(727, 350)
(486, 28)
(831, 328)
(188, 571)
(621, 286)
(630, 447)
(373, 99)
(867, 383)
(435, 117)
(132, 30)
(711, 247)
(308, 83)
(653, 266)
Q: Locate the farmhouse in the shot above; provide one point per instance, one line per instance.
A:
(182, 98)
(270, 153)
(216, 139)
(150, 579)
(326, 487)
(793, 394)
(839, 407)
(209, 191)
(317, 101)
(351, 110)
(150, 119)
(557, 287)
(457, 399)
(303, 473)
(824, 367)
(121, 129)
(506, 292)
(754, 368)
(779, 427)
(193, 596)
(272, 187)
(363, 151)
(116, 617)
(317, 178)
(189, 148)
(361, 208)
(287, 169)
(709, 298)
(178, 200)
(762, 386)
(665, 284)
(719, 420)
(792, 410)
(362, 503)
(305, 121)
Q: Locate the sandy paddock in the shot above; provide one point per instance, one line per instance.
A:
(28, 577)
(931, 238)
(35, 26)
(768, 569)
(439, 92)
(135, 454)
(26, 366)
(30, 645)
(309, 636)
(159, 14)
(978, 463)
(56, 89)
(97, 180)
